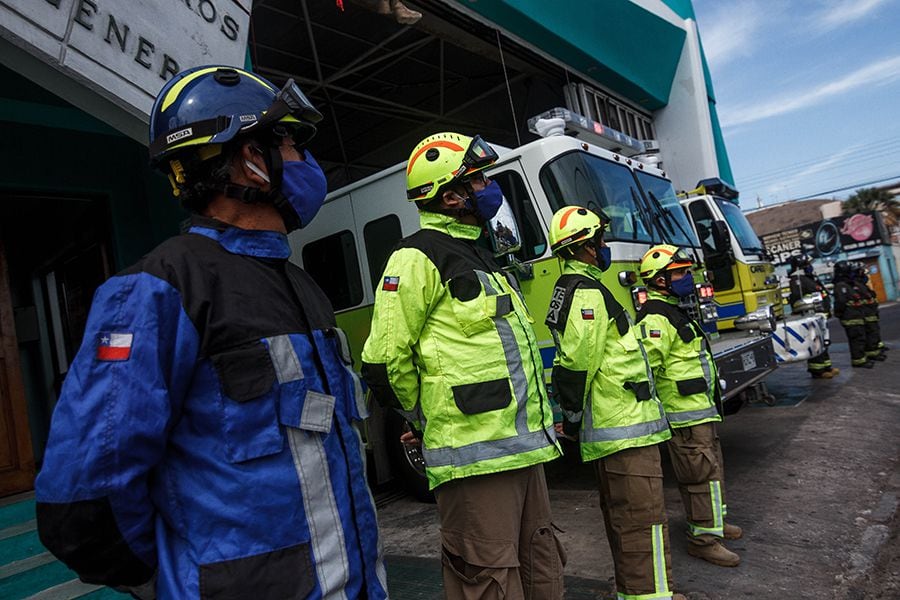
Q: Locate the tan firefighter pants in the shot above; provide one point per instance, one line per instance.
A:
(697, 461)
(497, 538)
(631, 496)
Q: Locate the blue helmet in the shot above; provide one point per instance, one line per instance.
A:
(204, 107)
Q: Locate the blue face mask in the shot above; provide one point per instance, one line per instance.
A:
(604, 258)
(808, 270)
(487, 201)
(684, 286)
(304, 186)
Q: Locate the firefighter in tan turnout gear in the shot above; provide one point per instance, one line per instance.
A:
(604, 386)
(687, 384)
(453, 349)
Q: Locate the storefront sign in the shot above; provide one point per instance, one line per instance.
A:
(125, 51)
(827, 238)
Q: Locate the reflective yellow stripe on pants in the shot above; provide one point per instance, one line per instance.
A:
(661, 583)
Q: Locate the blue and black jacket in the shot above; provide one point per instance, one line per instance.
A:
(205, 432)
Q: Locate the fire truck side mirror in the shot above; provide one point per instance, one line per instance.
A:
(723, 256)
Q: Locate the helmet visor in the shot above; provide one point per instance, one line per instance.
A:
(478, 155)
(290, 105)
(298, 104)
(680, 260)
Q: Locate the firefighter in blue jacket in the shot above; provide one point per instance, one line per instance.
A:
(204, 443)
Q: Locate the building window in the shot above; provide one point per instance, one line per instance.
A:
(380, 237)
(333, 263)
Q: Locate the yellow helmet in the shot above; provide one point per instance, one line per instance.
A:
(663, 257)
(443, 158)
(573, 225)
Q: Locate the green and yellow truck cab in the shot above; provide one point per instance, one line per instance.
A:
(742, 274)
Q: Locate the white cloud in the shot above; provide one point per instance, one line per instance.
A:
(803, 176)
(842, 12)
(877, 73)
(732, 33)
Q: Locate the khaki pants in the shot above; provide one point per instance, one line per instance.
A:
(631, 496)
(697, 461)
(497, 538)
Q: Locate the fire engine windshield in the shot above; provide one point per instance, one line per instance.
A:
(670, 217)
(586, 180)
(740, 226)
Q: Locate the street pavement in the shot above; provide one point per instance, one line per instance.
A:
(813, 481)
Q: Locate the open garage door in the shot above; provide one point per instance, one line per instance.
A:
(383, 86)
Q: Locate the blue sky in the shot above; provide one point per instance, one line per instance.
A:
(808, 93)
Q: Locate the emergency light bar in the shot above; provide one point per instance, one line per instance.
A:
(562, 121)
(716, 187)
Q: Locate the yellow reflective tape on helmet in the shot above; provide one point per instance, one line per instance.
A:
(173, 93)
(564, 218)
(193, 142)
(436, 144)
(208, 151)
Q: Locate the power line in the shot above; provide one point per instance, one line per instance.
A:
(810, 161)
(863, 155)
(853, 168)
(849, 187)
(825, 179)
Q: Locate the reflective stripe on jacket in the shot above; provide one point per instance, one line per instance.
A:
(849, 302)
(453, 348)
(601, 377)
(680, 354)
(205, 432)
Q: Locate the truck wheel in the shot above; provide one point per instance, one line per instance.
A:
(407, 461)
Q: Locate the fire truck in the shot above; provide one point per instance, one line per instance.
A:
(747, 289)
(576, 161)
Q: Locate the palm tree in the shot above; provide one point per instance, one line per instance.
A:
(871, 199)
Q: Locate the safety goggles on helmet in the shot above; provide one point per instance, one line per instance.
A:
(592, 230)
(290, 114)
(663, 258)
(290, 101)
(680, 260)
(478, 155)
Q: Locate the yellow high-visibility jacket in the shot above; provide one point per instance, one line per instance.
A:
(601, 378)
(452, 347)
(682, 361)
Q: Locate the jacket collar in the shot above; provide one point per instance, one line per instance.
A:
(668, 299)
(577, 267)
(248, 242)
(449, 225)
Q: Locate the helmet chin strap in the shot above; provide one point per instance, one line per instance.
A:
(668, 286)
(457, 213)
(252, 195)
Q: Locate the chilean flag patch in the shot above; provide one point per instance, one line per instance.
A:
(114, 346)
(655, 333)
(587, 314)
(390, 284)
